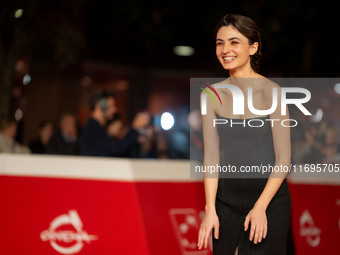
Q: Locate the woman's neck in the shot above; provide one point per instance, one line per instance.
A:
(246, 72)
(243, 77)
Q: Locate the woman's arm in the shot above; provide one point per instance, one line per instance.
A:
(282, 148)
(211, 158)
(211, 154)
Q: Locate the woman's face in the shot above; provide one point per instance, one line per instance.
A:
(233, 49)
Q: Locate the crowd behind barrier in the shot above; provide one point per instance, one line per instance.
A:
(104, 134)
(311, 143)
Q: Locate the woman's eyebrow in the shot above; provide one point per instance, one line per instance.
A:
(230, 39)
(234, 38)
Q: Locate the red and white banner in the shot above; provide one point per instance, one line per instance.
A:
(315, 217)
(77, 205)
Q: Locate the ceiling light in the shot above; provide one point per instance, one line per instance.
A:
(18, 13)
(184, 51)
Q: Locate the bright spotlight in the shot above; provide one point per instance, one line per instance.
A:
(27, 79)
(18, 13)
(167, 121)
(337, 88)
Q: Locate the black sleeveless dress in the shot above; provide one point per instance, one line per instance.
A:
(248, 146)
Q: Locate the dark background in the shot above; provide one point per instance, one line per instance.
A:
(72, 47)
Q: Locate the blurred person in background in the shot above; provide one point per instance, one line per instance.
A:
(45, 132)
(143, 147)
(330, 145)
(8, 144)
(148, 143)
(308, 150)
(196, 135)
(179, 141)
(115, 127)
(97, 140)
(65, 140)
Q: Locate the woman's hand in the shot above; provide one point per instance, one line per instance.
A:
(209, 222)
(258, 219)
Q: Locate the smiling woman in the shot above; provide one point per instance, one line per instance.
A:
(245, 213)
(233, 34)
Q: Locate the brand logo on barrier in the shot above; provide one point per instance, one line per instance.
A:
(66, 234)
(186, 225)
(308, 229)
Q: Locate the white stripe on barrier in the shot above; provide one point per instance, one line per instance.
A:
(119, 169)
(97, 168)
(66, 167)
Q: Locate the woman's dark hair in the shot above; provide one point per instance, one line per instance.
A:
(248, 28)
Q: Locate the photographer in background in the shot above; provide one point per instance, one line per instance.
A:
(64, 141)
(95, 140)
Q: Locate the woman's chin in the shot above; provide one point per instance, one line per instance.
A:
(228, 67)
